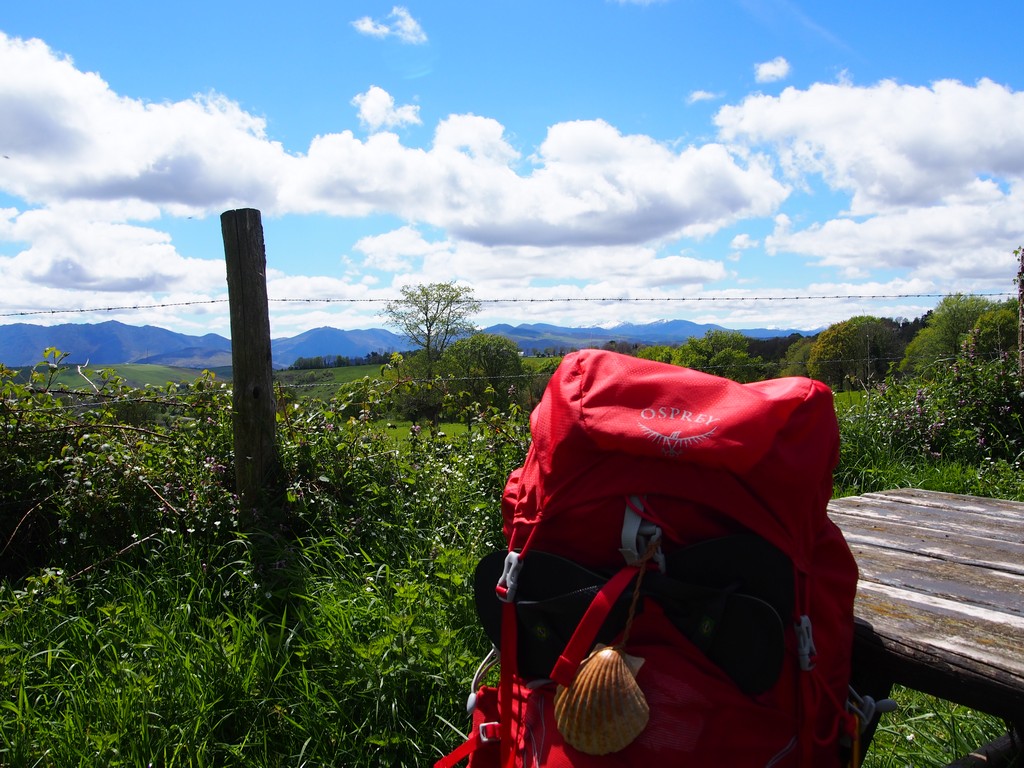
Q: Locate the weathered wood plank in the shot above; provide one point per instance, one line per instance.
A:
(940, 601)
(1000, 753)
(975, 637)
(895, 659)
(998, 590)
(1003, 525)
(939, 499)
(988, 553)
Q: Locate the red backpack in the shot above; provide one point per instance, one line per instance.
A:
(674, 592)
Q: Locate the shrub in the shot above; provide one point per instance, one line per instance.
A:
(968, 422)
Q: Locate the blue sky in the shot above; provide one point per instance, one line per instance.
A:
(737, 161)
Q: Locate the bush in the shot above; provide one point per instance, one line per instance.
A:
(967, 426)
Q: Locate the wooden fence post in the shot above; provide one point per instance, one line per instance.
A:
(257, 466)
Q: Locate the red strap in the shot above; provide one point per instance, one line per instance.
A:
(583, 638)
(509, 669)
(467, 748)
(481, 734)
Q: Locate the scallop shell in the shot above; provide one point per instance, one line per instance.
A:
(604, 709)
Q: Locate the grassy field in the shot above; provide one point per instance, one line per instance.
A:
(322, 382)
(134, 375)
(145, 375)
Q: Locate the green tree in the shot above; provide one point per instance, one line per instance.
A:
(854, 351)
(659, 353)
(794, 362)
(995, 331)
(488, 368)
(432, 317)
(722, 353)
(945, 330)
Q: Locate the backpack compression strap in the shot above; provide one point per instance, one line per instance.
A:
(582, 639)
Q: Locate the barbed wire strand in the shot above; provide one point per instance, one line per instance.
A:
(516, 300)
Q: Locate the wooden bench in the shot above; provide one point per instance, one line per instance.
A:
(940, 602)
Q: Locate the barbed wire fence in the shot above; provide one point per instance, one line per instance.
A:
(520, 300)
(243, 238)
(257, 480)
(82, 394)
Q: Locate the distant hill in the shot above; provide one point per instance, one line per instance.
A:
(108, 343)
(331, 341)
(115, 343)
(539, 337)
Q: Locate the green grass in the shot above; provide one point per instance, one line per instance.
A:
(134, 375)
(926, 732)
(180, 657)
(321, 381)
(188, 662)
(327, 376)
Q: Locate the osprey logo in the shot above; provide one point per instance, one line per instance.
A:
(675, 442)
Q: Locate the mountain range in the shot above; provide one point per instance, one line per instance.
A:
(114, 343)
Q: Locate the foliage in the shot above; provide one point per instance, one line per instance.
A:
(945, 330)
(88, 469)
(487, 369)
(352, 645)
(854, 352)
(965, 429)
(375, 359)
(996, 331)
(432, 316)
(794, 362)
(722, 353)
(659, 353)
(417, 392)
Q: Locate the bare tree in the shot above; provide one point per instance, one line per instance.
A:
(433, 316)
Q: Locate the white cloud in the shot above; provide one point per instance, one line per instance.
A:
(480, 138)
(377, 110)
(589, 184)
(370, 28)
(400, 24)
(771, 71)
(68, 136)
(72, 248)
(889, 145)
(71, 138)
(497, 272)
(698, 96)
(397, 251)
(933, 175)
(963, 241)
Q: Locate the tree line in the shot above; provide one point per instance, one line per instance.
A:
(452, 364)
(320, 362)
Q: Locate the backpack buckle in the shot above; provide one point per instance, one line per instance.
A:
(805, 643)
(638, 535)
(509, 581)
(489, 732)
